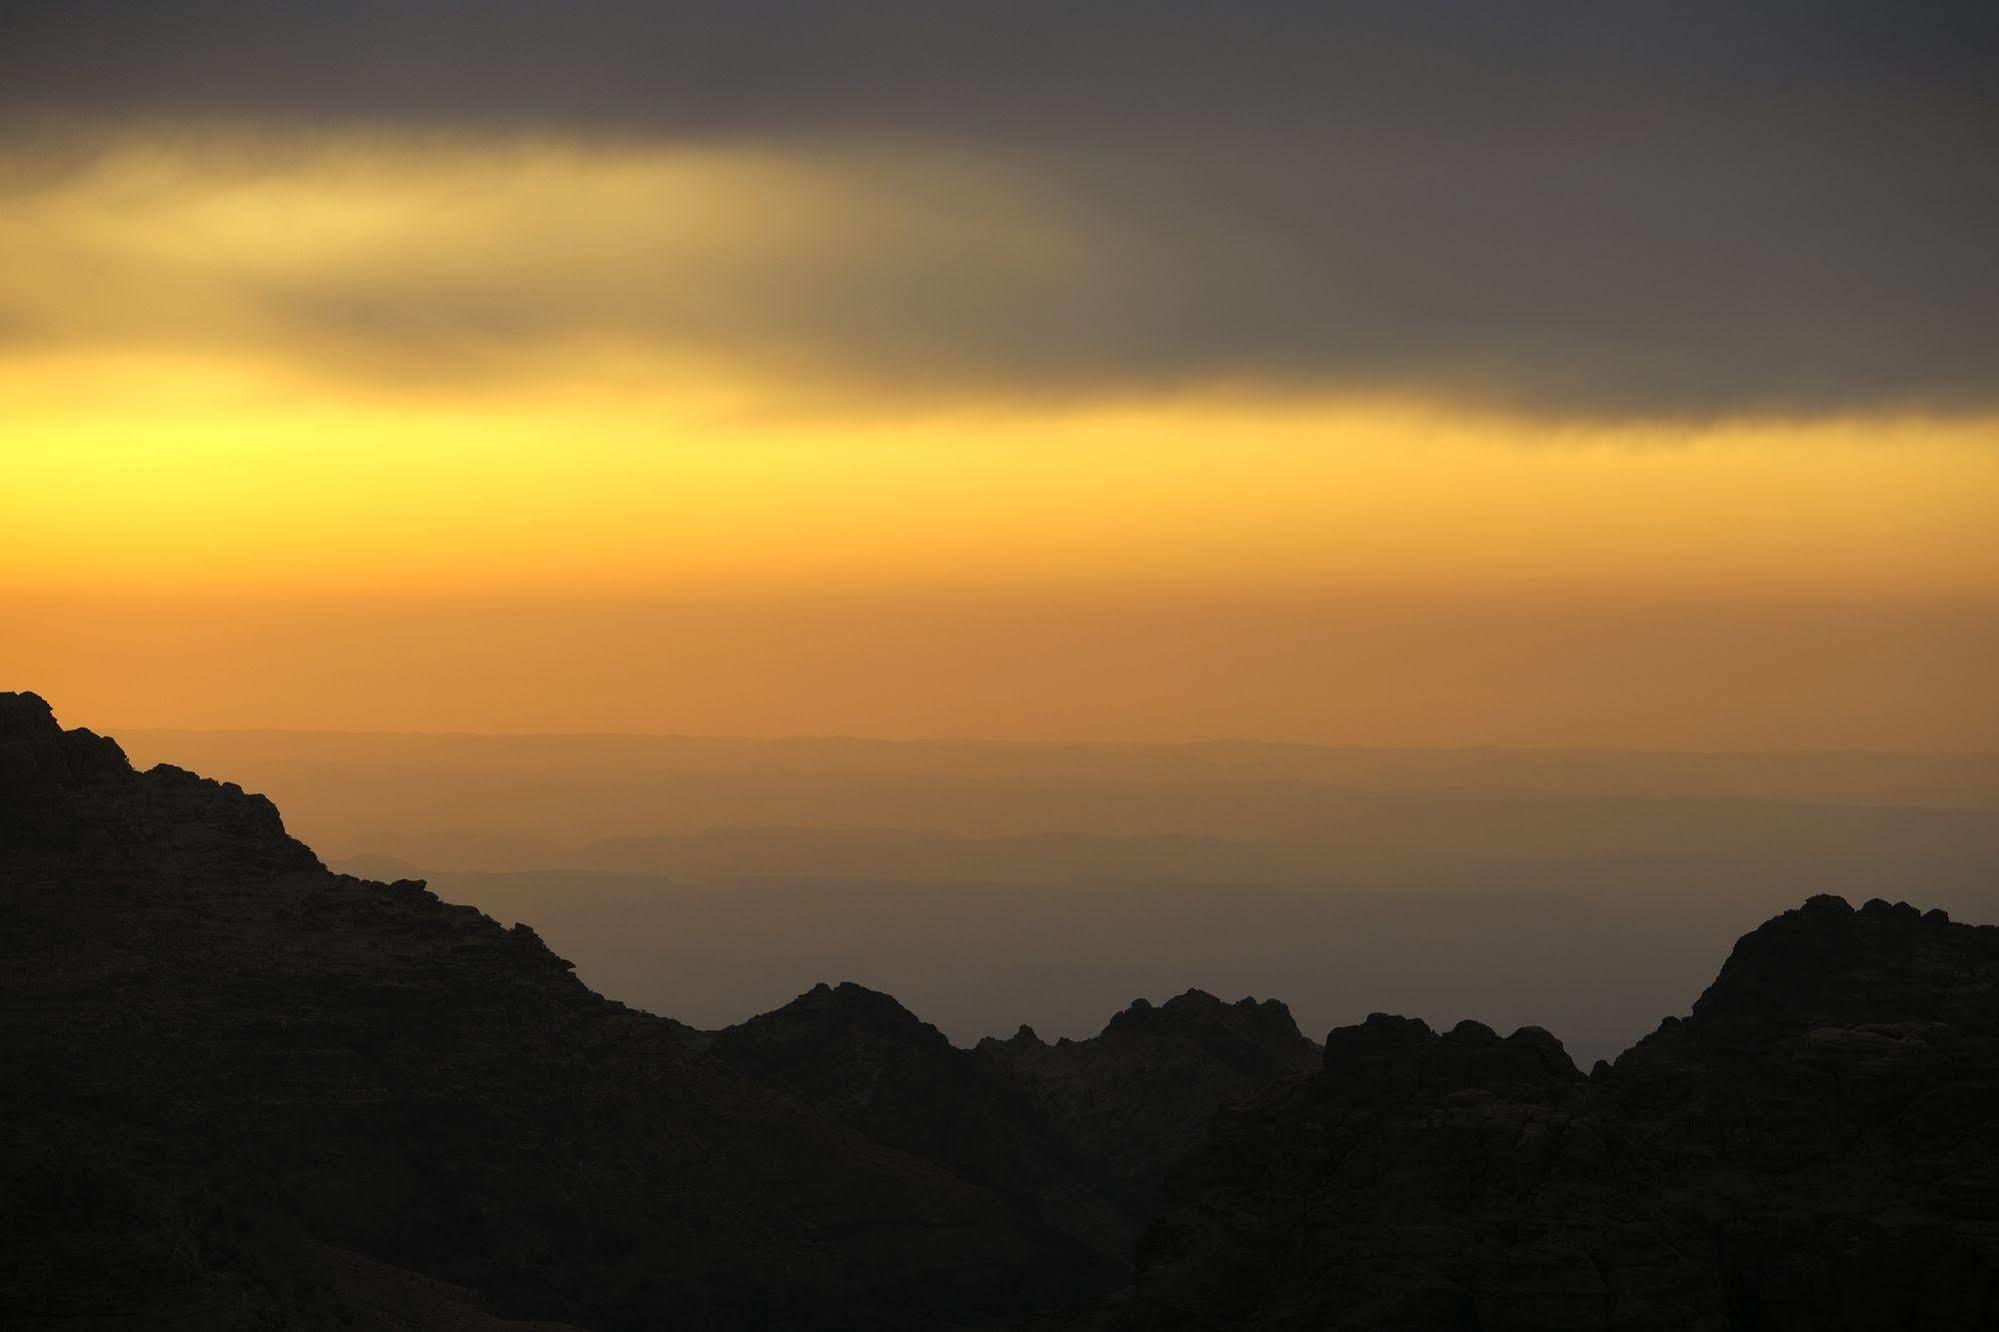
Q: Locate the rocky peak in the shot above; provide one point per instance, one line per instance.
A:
(837, 1045)
(25, 718)
(1259, 1038)
(38, 757)
(1824, 964)
(1134, 1098)
(42, 769)
(64, 789)
(859, 1056)
(1186, 1013)
(1403, 1056)
(843, 1011)
(1811, 1148)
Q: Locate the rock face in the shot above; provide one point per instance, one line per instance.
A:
(1137, 1097)
(1816, 1146)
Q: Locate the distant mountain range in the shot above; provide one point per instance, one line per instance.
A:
(244, 1091)
(1584, 891)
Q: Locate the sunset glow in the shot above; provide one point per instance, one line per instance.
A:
(375, 367)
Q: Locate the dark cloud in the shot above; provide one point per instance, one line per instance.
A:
(1618, 208)
(1025, 65)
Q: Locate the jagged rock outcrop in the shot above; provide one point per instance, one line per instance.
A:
(1816, 1146)
(1135, 1098)
(235, 1080)
(859, 1056)
(68, 792)
(1079, 1134)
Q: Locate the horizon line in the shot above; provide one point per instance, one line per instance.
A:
(1212, 742)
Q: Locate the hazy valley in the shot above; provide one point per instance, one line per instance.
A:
(988, 885)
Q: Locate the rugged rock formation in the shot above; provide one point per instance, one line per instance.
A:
(1079, 1135)
(1816, 1146)
(243, 1091)
(1134, 1099)
(71, 795)
(863, 1058)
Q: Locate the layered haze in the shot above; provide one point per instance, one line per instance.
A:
(988, 885)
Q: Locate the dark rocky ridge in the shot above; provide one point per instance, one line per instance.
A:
(234, 1080)
(72, 793)
(1815, 1147)
(1078, 1136)
(243, 1091)
(864, 1059)
(1134, 1099)
(249, 1092)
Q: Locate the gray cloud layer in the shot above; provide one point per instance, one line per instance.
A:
(1607, 208)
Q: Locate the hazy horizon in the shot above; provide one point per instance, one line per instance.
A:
(990, 884)
(1192, 742)
(1563, 673)
(1564, 441)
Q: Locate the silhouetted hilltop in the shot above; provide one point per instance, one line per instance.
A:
(864, 1059)
(1136, 1097)
(64, 792)
(1258, 1036)
(1813, 1148)
(1826, 964)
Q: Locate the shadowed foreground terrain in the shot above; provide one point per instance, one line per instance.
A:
(1814, 1147)
(244, 1091)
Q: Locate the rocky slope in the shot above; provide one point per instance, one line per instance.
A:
(1815, 1147)
(242, 1091)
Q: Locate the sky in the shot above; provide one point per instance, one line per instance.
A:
(1414, 373)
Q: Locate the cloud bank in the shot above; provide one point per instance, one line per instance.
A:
(1658, 211)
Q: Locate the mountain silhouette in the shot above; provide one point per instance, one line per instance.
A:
(232, 1072)
(1136, 1097)
(863, 1059)
(1816, 1146)
(245, 1091)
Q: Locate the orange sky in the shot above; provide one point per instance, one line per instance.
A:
(251, 484)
